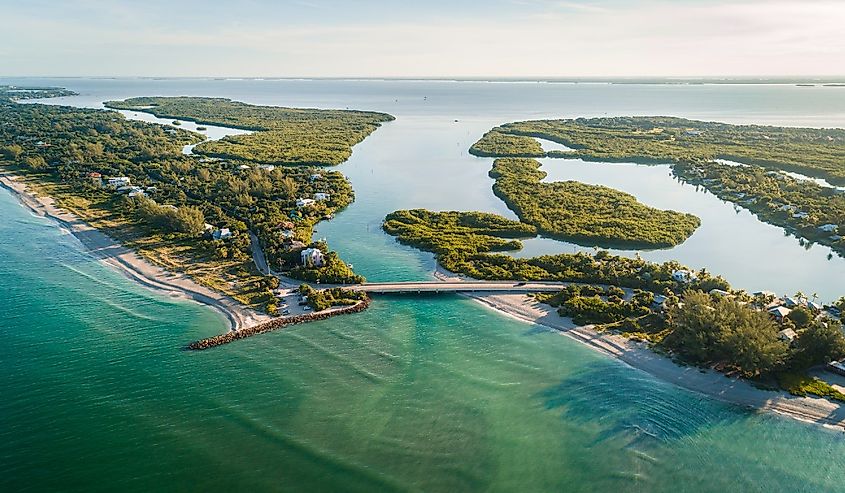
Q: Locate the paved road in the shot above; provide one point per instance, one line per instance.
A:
(258, 255)
(414, 287)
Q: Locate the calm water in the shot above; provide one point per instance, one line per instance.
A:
(431, 393)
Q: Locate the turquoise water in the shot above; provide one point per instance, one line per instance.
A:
(428, 393)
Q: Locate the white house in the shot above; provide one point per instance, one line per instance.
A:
(684, 276)
(243, 167)
(267, 167)
(321, 196)
(119, 181)
(787, 335)
(315, 177)
(779, 312)
(304, 202)
(800, 215)
(829, 228)
(222, 234)
(311, 257)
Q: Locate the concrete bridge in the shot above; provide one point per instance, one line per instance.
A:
(418, 287)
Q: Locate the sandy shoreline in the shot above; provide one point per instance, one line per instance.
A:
(129, 263)
(637, 355)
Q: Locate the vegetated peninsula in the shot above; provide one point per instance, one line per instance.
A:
(814, 152)
(761, 178)
(191, 214)
(282, 135)
(590, 215)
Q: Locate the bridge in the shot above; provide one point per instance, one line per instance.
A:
(418, 287)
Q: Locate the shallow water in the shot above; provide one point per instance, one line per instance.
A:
(428, 393)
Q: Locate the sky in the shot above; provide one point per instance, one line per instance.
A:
(432, 38)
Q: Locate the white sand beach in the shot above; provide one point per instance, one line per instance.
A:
(132, 265)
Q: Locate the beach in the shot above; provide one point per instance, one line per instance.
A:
(129, 263)
(519, 306)
(639, 356)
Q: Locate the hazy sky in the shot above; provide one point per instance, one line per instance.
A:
(375, 38)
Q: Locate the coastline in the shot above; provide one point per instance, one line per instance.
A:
(637, 355)
(128, 262)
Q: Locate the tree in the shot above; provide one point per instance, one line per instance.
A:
(287, 187)
(801, 317)
(12, 152)
(820, 343)
(35, 163)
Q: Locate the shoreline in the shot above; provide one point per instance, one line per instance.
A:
(639, 356)
(129, 263)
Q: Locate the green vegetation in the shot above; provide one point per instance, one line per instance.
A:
(323, 299)
(498, 143)
(444, 232)
(20, 93)
(282, 135)
(333, 270)
(802, 385)
(802, 207)
(69, 153)
(815, 152)
(586, 214)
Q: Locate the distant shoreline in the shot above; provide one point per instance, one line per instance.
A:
(128, 262)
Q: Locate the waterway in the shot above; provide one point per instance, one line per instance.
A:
(424, 393)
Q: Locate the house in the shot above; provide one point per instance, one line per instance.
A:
(720, 293)
(287, 233)
(315, 177)
(305, 202)
(764, 294)
(222, 234)
(793, 302)
(828, 228)
(779, 313)
(96, 178)
(815, 307)
(693, 133)
(119, 181)
(835, 238)
(786, 208)
(208, 227)
(321, 196)
(311, 257)
(800, 215)
(243, 167)
(787, 335)
(684, 276)
(267, 167)
(659, 302)
(137, 193)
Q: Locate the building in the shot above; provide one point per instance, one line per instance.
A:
(267, 167)
(779, 313)
(800, 215)
(659, 302)
(684, 276)
(320, 196)
(829, 228)
(720, 293)
(312, 257)
(96, 178)
(119, 181)
(315, 177)
(305, 202)
(222, 234)
(787, 335)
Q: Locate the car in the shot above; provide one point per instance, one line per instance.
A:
(307, 308)
(520, 284)
(285, 312)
